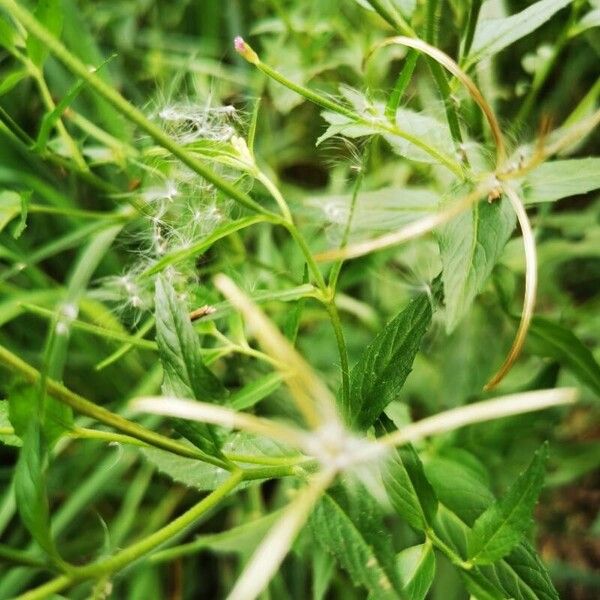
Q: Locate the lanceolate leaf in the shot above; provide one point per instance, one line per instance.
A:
(408, 489)
(520, 575)
(493, 35)
(381, 371)
(348, 524)
(551, 340)
(186, 375)
(500, 528)
(204, 476)
(417, 569)
(459, 484)
(255, 391)
(416, 566)
(470, 246)
(558, 179)
(30, 487)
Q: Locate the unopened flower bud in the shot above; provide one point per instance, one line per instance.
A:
(242, 48)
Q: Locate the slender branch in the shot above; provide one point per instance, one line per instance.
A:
(93, 329)
(381, 125)
(336, 323)
(21, 557)
(78, 403)
(38, 77)
(392, 17)
(140, 549)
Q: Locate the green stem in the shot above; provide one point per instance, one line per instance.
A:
(449, 552)
(20, 557)
(80, 214)
(120, 352)
(274, 191)
(393, 18)
(470, 29)
(38, 77)
(270, 466)
(140, 549)
(439, 76)
(85, 407)
(93, 329)
(337, 267)
(382, 126)
(84, 433)
(401, 84)
(334, 317)
(310, 261)
(77, 67)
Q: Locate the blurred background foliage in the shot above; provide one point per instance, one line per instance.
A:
(180, 51)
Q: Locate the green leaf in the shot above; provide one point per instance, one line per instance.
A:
(500, 528)
(520, 575)
(30, 487)
(408, 489)
(409, 121)
(22, 224)
(255, 391)
(50, 118)
(12, 78)
(10, 439)
(459, 483)
(348, 524)
(187, 471)
(185, 374)
(9, 36)
(323, 565)
(10, 207)
(50, 14)
(405, 7)
(416, 124)
(24, 406)
(470, 246)
(417, 569)
(493, 35)
(381, 371)
(241, 540)
(375, 212)
(561, 179)
(550, 340)
(197, 249)
(206, 477)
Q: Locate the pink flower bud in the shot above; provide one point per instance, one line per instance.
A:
(242, 48)
(239, 44)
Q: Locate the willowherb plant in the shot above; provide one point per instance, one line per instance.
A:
(366, 495)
